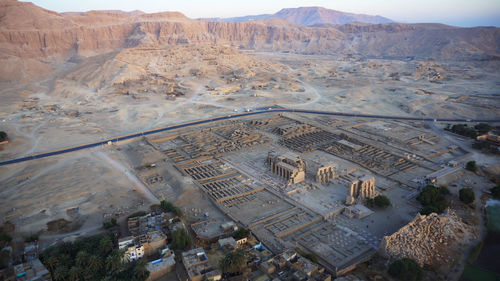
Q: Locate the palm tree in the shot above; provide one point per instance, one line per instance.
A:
(140, 270)
(74, 273)
(60, 273)
(95, 263)
(65, 260)
(81, 258)
(51, 263)
(233, 262)
(105, 245)
(114, 263)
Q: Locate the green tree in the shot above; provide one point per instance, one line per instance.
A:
(114, 263)
(109, 224)
(105, 245)
(169, 207)
(471, 166)
(464, 130)
(241, 233)
(3, 136)
(311, 256)
(406, 269)
(483, 128)
(31, 238)
(233, 262)
(429, 209)
(380, 201)
(95, 263)
(495, 191)
(51, 262)
(61, 273)
(433, 199)
(140, 270)
(81, 258)
(4, 238)
(65, 260)
(74, 273)
(91, 258)
(467, 195)
(181, 239)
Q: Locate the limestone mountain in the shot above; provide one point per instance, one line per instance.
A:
(29, 33)
(309, 16)
(318, 15)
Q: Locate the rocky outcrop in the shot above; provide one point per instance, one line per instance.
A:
(433, 240)
(28, 31)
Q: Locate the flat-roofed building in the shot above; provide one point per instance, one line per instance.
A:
(159, 267)
(197, 265)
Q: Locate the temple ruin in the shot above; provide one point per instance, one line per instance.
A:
(289, 166)
(361, 188)
(324, 174)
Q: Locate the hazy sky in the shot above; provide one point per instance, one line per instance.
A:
(454, 12)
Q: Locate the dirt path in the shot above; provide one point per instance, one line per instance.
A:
(137, 184)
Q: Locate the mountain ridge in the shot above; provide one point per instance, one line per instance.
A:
(309, 16)
(45, 34)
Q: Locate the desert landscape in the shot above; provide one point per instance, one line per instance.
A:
(72, 79)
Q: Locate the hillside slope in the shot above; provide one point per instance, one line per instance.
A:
(45, 34)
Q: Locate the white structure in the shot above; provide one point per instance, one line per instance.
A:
(134, 253)
(125, 242)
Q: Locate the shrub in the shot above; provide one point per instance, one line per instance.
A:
(31, 238)
(241, 233)
(471, 166)
(311, 256)
(433, 199)
(3, 136)
(464, 130)
(406, 269)
(380, 201)
(483, 128)
(233, 262)
(4, 237)
(467, 195)
(427, 210)
(169, 207)
(485, 147)
(181, 239)
(109, 224)
(495, 191)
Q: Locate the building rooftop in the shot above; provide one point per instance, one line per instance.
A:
(148, 223)
(125, 239)
(196, 262)
(33, 270)
(160, 264)
(230, 242)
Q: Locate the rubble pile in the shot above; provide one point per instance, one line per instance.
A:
(433, 240)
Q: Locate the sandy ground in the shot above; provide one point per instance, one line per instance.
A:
(130, 90)
(85, 188)
(134, 89)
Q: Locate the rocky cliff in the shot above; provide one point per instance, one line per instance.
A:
(28, 31)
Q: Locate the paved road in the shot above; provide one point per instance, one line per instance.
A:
(256, 111)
